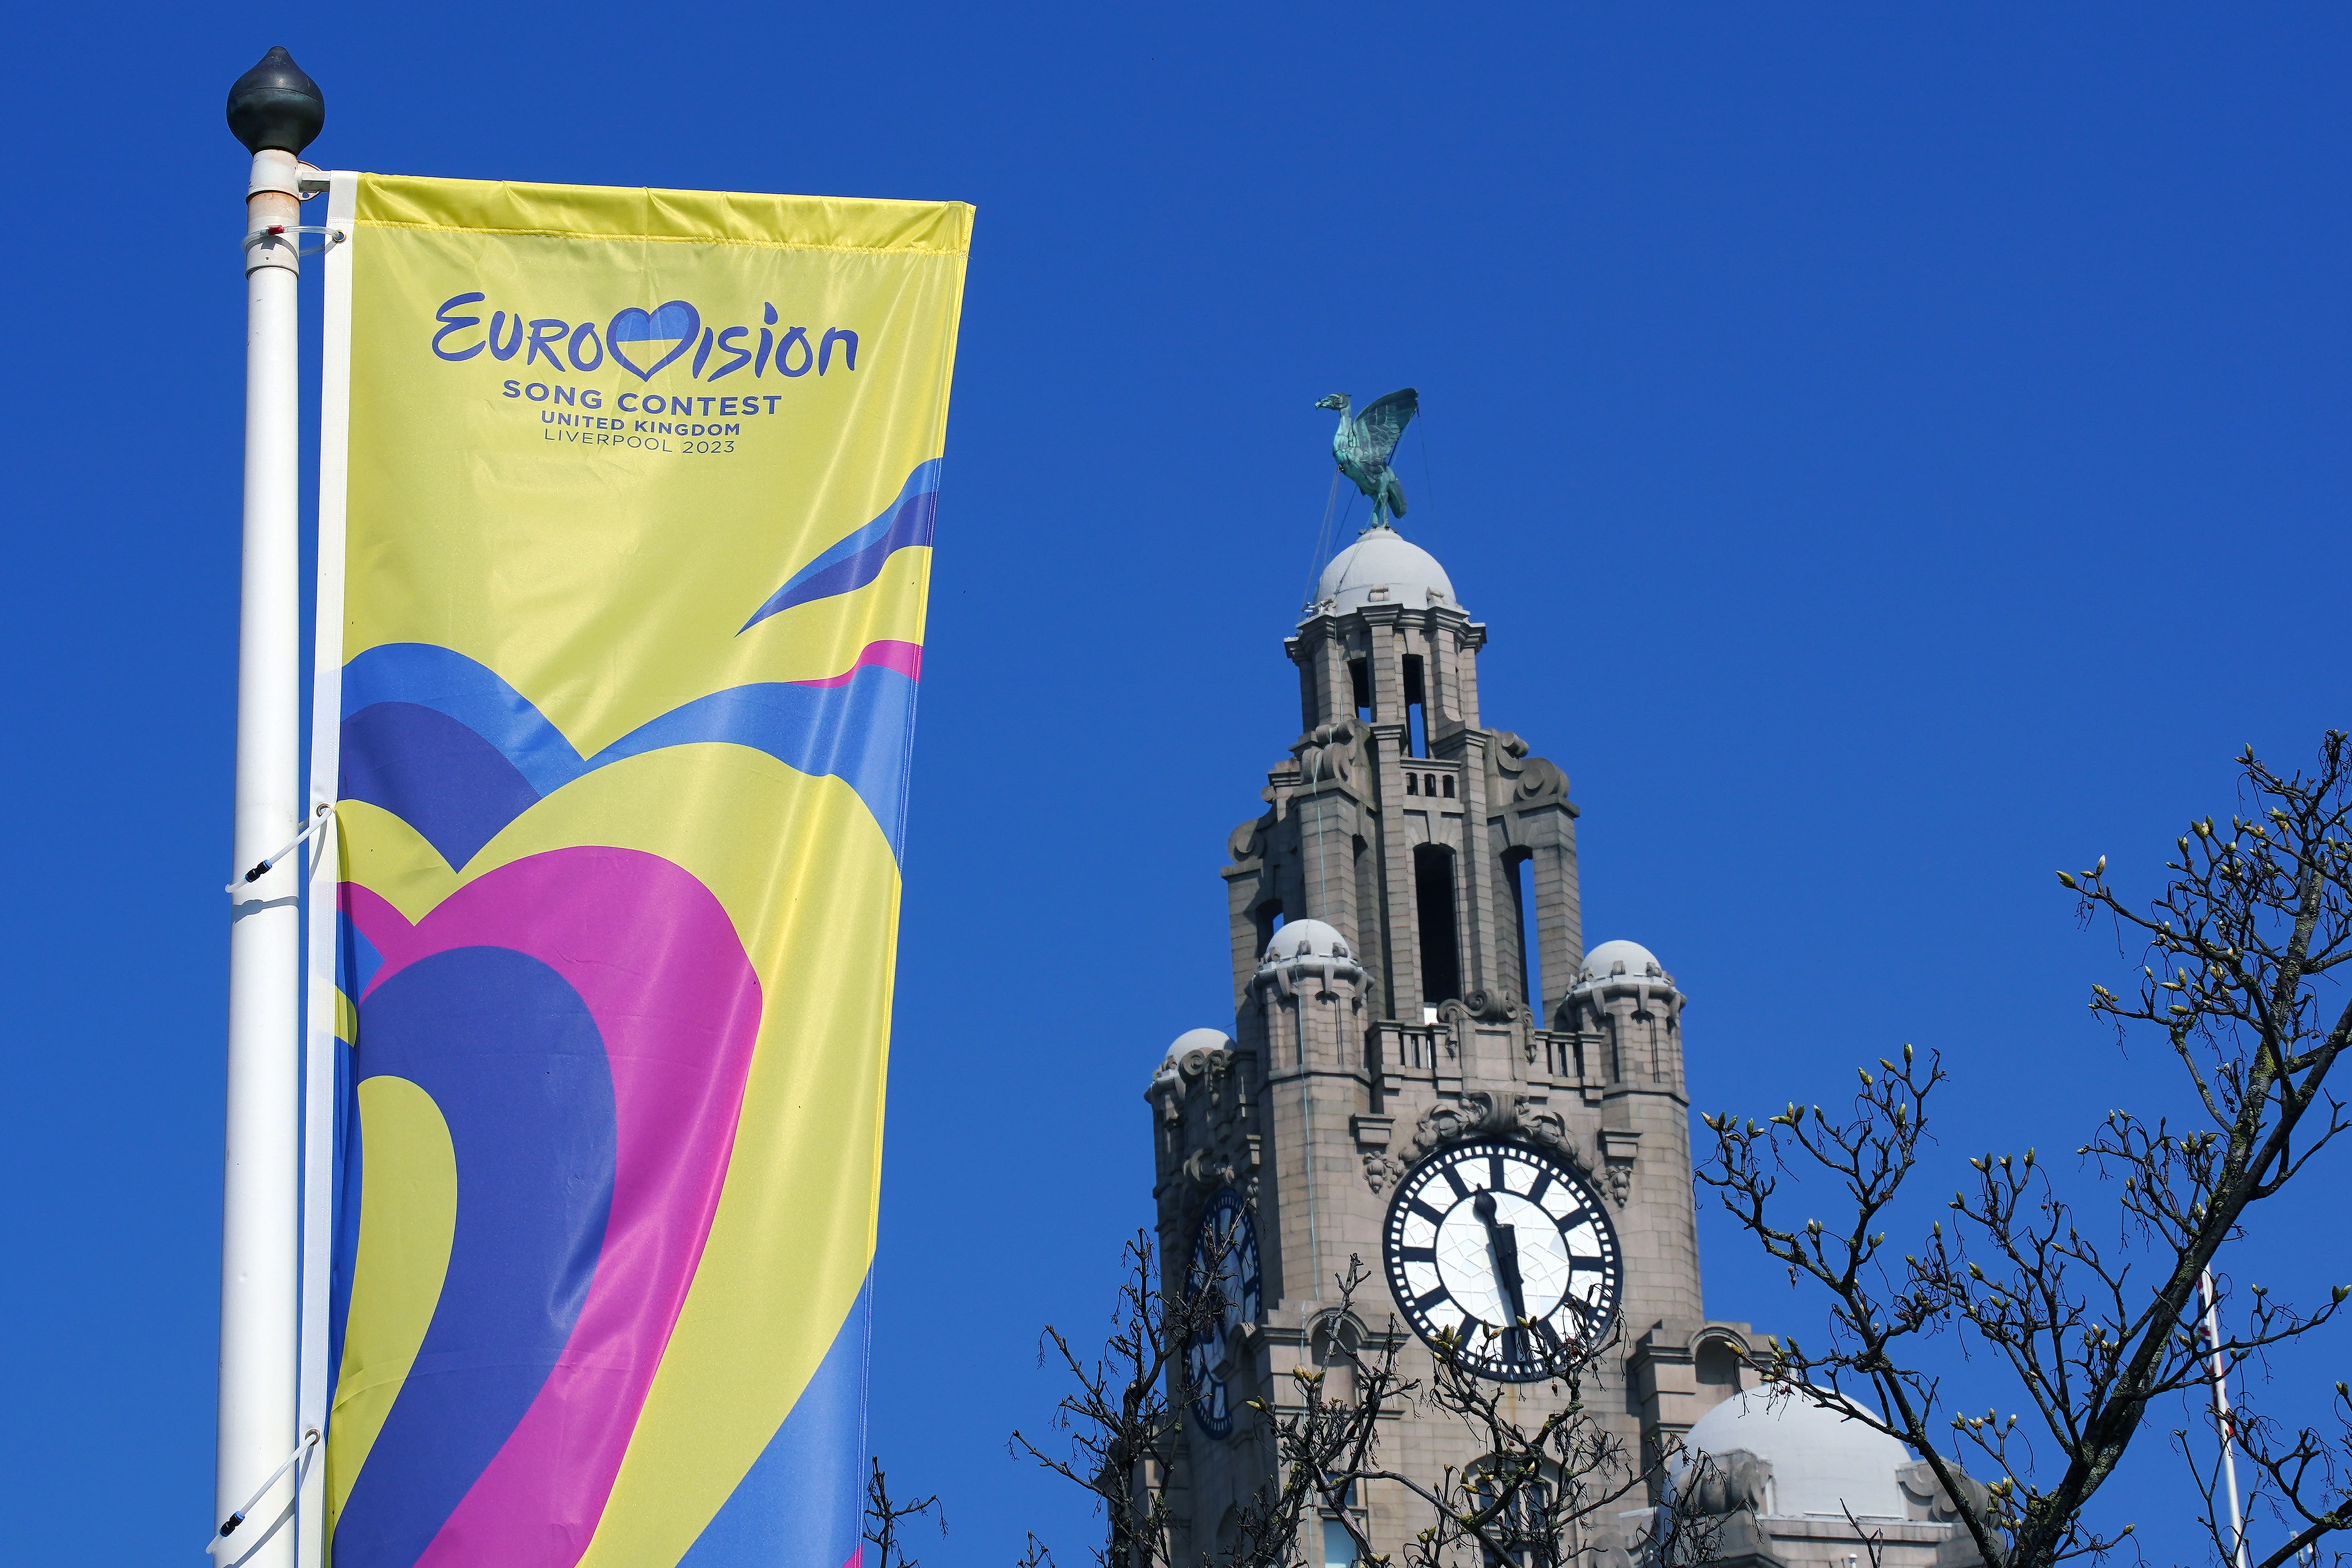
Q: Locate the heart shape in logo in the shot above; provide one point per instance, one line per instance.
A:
(676, 320)
(583, 1019)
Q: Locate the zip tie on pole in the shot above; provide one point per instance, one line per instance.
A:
(228, 1525)
(261, 868)
(278, 231)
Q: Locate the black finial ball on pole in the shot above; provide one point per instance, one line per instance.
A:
(275, 105)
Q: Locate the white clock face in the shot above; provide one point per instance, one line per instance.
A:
(1224, 1243)
(1485, 1236)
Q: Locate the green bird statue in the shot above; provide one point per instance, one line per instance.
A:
(1364, 442)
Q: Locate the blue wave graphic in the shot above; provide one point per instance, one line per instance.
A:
(444, 743)
(858, 559)
(513, 1059)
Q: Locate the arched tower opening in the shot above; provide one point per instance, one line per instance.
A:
(1416, 708)
(1441, 936)
(1522, 953)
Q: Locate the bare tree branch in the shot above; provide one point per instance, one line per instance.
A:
(1545, 1496)
(1122, 1413)
(2252, 921)
(883, 1517)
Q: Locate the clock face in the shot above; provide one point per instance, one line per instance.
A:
(1488, 1234)
(1224, 1246)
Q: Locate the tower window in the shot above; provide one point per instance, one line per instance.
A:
(1360, 680)
(1449, 786)
(1416, 716)
(1412, 784)
(1441, 951)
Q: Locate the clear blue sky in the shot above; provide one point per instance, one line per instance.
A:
(1897, 452)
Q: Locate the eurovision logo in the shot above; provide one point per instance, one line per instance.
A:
(639, 341)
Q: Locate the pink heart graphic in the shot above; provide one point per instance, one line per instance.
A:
(657, 961)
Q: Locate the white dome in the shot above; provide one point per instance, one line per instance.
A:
(1822, 1462)
(1306, 939)
(1192, 1040)
(1384, 567)
(1620, 961)
(1172, 1065)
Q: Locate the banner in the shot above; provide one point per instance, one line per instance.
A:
(626, 512)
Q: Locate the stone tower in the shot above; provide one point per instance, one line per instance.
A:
(1381, 912)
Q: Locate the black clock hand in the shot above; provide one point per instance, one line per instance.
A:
(1506, 1242)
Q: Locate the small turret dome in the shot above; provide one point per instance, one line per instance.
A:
(1192, 1040)
(1384, 567)
(1172, 1065)
(1306, 939)
(1620, 961)
(1823, 1463)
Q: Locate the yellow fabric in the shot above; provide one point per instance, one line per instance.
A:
(609, 587)
(605, 589)
(408, 1188)
(793, 1235)
(701, 218)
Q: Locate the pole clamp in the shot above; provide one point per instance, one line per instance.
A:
(261, 868)
(228, 1525)
(276, 232)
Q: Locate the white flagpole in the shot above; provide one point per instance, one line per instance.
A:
(2220, 1377)
(322, 1047)
(274, 111)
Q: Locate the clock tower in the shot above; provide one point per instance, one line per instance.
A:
(1427, 1070)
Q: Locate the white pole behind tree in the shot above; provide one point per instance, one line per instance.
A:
(274, 111)
(2218, 1368)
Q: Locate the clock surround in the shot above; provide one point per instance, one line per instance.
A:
(1507, 1249)
(1226, 1226)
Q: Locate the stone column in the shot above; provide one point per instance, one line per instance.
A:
(1331, 656)
(1384, 661)
(1312, 1004)
(1244, 891)
(1645, 1142)
(1550, 834)
(1326, 816)
(1483, 936)
(1400, 930)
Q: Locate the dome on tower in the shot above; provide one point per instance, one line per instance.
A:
(1306, 939)
(1620, 961)
(1823, 1463)
(1192, 1040)
(1384, 567)
(1187, 1042)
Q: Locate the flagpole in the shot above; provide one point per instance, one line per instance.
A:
(274, 111)
(2220, 1372)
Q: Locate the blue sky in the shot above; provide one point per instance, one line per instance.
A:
(1897, 452)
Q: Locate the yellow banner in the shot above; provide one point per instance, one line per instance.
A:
(620, 638)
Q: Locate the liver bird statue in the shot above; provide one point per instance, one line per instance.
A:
(1364, 442)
